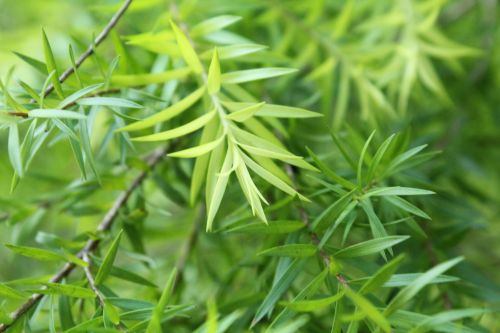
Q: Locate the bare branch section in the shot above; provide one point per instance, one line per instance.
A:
(152, 160)
(90, 49)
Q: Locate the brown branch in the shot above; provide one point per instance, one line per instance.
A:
(152, 160)
(314, 237)
(90, 49)
(91, 280)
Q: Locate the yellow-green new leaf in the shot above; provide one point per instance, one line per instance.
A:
(65, 289)
(248, 75)
(219, 188)
(273, 110)
(313, 304)
(198, 150)
(131, 80)
(214, 24)
(35, 253)
(179, 131)
(108, 261)
(246, 112)
(188, 53)
(214, 75)
(166, 114)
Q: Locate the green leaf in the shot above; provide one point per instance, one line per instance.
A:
(14, 148)
(359, 174)
(198, 150)
(9, 292)
(245, 113)
(131, 80)
(446, 317)
(78, 94)
(395, 190)
(214, 24)
(381, 276)
(167, 113)
(406, 206)
(378, 157)
(214, 76)
(371, 246)
(35, 253)
(188, 53)
(278, 289)
(154, 324)
(237, 50)
(36, 64)
(291, 250)
(272, 228)
(219, 188)
(55, 113)
(126, 274)
(313, 304)
(108, 261)
(109, 101)
(376, 226)
(368, 309)
(51, 65)
(65, 289)
(403, 280)
(190, 127)
(111, 312)
(407, 294)
(255, 74)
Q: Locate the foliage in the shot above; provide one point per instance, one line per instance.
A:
(252, 166)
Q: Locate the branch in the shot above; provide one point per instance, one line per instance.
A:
(91, 280)
(314, 237)
(152, 160)
(90, 49)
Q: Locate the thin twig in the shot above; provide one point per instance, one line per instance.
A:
(90, 49)
(152, 160)
(314, 237)
(91, 280)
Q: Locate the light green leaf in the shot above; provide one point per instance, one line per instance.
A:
(291, 250)
(65, 289)
(51, 65)
(278, 289)
(235, 51)
(190, 127)
(378, 157)
(214, 24)
(55, 113)
(381, 276)
(36, 64)
(111, 312)
(9, 292)
(406, 206)
(167, 113)
(255, 74)
(312, 304)
(396, 190)
(188, 53)
(214, 76)
(406, 294)
(78, 94)
(108, 101)
(368, 309)
(14, 148)
(35, 253)
(108, 261)
(198, 150)
(403, 280)
(359, 173)
(245, 113)
(371, 246)
(446, 317)
(131, 80)
(219, 187)
(154, 324)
